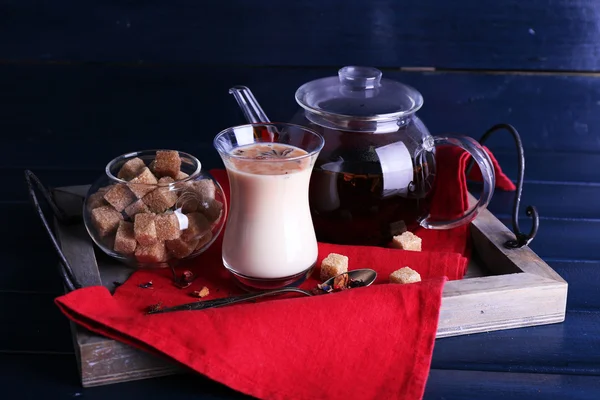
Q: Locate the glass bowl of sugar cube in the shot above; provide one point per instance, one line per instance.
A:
(153, 208)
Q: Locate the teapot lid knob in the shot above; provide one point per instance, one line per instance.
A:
(360, 77)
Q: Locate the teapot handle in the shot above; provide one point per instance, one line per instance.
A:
(482, 159)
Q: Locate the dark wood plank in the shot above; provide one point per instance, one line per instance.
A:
(569, 347)
(56, 377)
(28, 258)
(584, 291)
(563, 238)
(32, 323)
(468, 385)
(552, 199)
(98, 112)
(466, 34)
(552, 166)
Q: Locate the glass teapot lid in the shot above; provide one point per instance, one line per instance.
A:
(358, 99)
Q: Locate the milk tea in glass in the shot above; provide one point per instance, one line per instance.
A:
(269, 239)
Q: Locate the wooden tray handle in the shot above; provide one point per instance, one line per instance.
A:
(521, 239)
(65, 270)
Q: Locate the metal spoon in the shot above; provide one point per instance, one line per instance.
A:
(366, 276)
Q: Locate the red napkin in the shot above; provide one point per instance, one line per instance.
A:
(365, 343)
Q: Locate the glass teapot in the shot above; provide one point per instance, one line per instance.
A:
(376, 173)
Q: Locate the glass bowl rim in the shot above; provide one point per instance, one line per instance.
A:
(137, 153)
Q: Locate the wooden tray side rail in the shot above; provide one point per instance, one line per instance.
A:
(522, 291)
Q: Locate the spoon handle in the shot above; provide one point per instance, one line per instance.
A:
(225, 301)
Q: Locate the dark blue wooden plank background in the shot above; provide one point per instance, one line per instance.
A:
(81, 82)
(468, 34)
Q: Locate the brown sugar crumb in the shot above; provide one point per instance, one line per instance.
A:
(407, 241)
(167, 226)
(167, 163)
(137, 207)
(145, 229)
(143, 183)
(405, 275)
(131, 169)
(333, 265)
(125, 242)
(106, 220)
(201, 293)
(119, 196)
(154, 253)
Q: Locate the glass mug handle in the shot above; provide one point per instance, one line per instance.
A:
(484, 162)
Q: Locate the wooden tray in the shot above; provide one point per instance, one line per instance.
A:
(503, 289)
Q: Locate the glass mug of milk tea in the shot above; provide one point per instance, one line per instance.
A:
(269, 239)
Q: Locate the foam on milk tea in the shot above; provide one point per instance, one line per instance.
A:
(269, 232)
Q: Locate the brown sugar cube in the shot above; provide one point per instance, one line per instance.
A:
(181, 175)
(212, 209)
(143, 183)
(106, 219)
(204, 240)
(167, 163)
(96, 200)
(180, 248)
(405, 275)
(205, 188)
(119, 196)
(407, 241)
(144, 228)
(160, 199)
(137, 207)
(131, 169)
(167, 226)
(125, 242)
(198, 226)
(153, 253)
(332, 265)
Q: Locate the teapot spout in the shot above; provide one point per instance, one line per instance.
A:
(247, 102)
